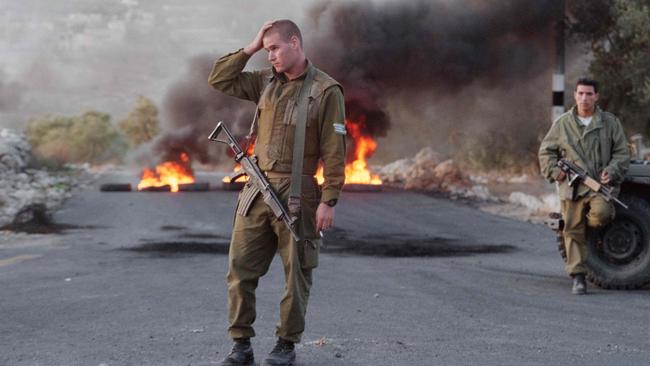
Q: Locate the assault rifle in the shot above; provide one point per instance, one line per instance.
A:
(577, 175)
(257, 178)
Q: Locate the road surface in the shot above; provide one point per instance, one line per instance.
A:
(404, 279)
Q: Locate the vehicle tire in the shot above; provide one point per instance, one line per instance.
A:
(619, 256)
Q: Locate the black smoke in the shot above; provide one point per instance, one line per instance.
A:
(376, 51)
(191, 110)
(421, 53)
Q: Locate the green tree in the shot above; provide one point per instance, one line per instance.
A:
(48, 135)
(618, 34)
(142, 124)
(90, 138)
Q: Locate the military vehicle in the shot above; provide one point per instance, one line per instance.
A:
(619, 254)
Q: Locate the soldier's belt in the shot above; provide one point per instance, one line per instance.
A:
(250, 192)
(257, 179)
(272, 175)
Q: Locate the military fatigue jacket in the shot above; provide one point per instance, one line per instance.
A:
(276, 98)
(568, 139)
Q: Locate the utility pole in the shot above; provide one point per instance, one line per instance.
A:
(558, 75)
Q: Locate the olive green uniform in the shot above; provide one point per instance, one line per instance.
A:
(599, 146)
(257, 234)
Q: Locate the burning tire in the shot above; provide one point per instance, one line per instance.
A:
(165, 188)
(115, 187)
(619, 258)
(168, 175)
(194, 187)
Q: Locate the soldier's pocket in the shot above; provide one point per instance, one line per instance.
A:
(309, 251)
(309, 247)
(291, 112)
(310, 200)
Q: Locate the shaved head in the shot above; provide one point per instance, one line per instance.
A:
(286, 29)
(283, 42)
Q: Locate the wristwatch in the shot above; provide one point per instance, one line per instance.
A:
(331, 202)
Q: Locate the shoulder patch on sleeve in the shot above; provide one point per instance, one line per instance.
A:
(340, 129)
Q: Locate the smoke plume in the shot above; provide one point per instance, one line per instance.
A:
(395, 55)
(192, 109)
(376, 51)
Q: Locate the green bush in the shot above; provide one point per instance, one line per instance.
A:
(87, 138)
(496, 150)
(142, 124)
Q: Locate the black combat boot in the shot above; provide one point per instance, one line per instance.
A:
(579, 284)
(241, 354)
(283, 354)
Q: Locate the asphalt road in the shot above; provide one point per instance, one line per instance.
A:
(405, 279)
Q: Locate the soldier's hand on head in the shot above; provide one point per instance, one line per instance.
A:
(324, 216)
(256, 44)
(604, 177)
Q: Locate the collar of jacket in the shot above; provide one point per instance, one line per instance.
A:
(283, 79)
(596, 122)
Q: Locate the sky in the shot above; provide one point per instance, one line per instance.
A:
(66, 57)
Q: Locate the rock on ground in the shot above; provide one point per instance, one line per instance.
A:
(428, 171)
(22, 187)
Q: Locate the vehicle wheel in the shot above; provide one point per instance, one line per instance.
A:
(619, 258)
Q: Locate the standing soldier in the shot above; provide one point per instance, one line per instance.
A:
(297, 104)
(594, 140)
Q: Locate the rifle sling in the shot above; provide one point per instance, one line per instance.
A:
(299, 142)
(605, 146)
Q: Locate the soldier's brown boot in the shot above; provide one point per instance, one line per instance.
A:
(579, 284)
(283, 354)
(241, 354)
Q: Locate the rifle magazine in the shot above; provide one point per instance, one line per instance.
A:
(246, 199)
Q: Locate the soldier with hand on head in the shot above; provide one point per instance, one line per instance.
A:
(299, 123)
(594, 140)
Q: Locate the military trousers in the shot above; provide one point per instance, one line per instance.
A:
(256, 237)
(591, 211)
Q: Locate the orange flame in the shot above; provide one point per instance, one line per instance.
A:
(243, 178)
(357, 171)
(169, 173)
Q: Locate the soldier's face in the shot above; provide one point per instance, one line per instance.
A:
(586, 98)
(282, 54)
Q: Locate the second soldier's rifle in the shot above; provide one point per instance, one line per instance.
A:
(577, 175)
(257, 178)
